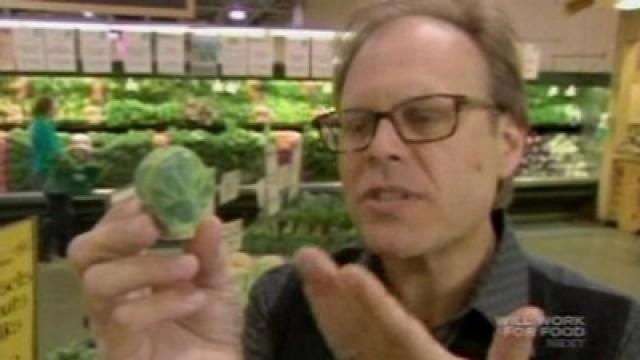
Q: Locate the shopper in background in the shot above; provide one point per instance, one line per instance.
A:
(46, 149)
(45, 144)
(430, 129)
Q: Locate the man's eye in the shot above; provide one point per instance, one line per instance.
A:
(355, 124)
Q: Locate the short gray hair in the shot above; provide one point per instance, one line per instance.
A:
(487, 26)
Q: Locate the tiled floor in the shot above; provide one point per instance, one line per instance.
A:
(601, 253)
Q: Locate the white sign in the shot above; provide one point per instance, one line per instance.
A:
(273, 196)
(296, 169)
(261, 193)
(205, 51)
(230, 186)
(271, 159)
(170, 54)
(61, 50)
(322, 55)
(7, 62)
(95, 52)
(261, 56)
(297, 53)
(234, 56)
(29, 49)
(284, 177)
(233, 234)
(137, 52)
(531, 58)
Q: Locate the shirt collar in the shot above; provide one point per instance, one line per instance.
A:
(504, 283)
(504, 287)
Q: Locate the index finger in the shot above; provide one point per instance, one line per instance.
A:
(124, 231)
(372, 296)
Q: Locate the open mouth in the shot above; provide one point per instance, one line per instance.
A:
(388, 199)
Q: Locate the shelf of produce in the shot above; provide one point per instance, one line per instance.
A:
(79, 127)
(532, 195)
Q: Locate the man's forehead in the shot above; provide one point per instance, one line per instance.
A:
(415, 56)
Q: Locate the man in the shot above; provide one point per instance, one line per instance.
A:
(430, 129)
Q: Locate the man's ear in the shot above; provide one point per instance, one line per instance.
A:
(512, 141)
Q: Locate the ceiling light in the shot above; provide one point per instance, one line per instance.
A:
(237, 14)
(628, 4)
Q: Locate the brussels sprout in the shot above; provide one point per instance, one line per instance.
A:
(177, 189)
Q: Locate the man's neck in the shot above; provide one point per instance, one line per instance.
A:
(435, 287)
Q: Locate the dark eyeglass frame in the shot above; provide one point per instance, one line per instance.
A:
(460, 101)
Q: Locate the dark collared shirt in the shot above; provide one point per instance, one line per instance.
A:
(512, 279)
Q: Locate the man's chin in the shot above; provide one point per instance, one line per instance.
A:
(395, 243)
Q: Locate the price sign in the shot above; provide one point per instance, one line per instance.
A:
(29, 49)
(271, 159)
(61, 50)
(230, 186)
(297, 55)
(7, 62)
(261, 56)
(95, 52)
(284, 177)
(322, 55)
(137, 52)
(296, 169)
(261, 193)
(233, 234)
(274, 197)
(234, 56)
(170, 54)
(205, 50)
(18, 256)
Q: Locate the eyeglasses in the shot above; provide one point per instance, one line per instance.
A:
(421, 119)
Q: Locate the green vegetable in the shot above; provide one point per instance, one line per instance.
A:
(177, 188)
(119, 155)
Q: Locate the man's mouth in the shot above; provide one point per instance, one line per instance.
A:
(388, 198)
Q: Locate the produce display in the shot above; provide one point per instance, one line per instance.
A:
(320, 164)
(557, 155)
(177, 189)
(128, 102)
(166, 111)
(312, 219)
(118, 155)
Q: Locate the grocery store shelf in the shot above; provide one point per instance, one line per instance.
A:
(542, 182)
(215, 127)
(35, 197)
(521, 182)
(542, 129)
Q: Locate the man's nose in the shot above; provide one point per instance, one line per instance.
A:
(386, 142)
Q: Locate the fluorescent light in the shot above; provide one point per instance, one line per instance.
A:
(88, 14)
(237, 14)
(628, 4)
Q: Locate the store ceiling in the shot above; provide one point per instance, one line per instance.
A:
(267, 13)
(260, 12)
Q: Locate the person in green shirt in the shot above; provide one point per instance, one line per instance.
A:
(46, 151)
(45, 144)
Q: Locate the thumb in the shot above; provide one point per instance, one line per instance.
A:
(513, 340)
(208, 247)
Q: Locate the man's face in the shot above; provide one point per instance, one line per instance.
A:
(413, 199)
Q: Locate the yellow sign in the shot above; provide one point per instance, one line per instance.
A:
(17, 291)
